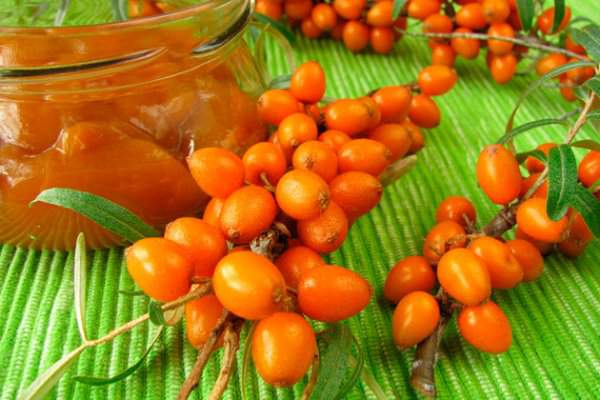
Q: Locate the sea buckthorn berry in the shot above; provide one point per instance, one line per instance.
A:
(364, 155)
(283, 348)
(142, 8)
(334, 139)
(380, 14)
(533, 220)
(456, 208)
(529, 258)
(589, 168)
(266, 160)
(331, 293)
(248, 285)
(443, 54)
(498, 174)
(495, 10)
(247, 212)
(294, 261)
(212, 212)
(356, 192)
(549, 63)
(295, 130)
(443, 237)
(395, 137)
(355, 36)
(533, 164)
(471, 16)
(271, 8)
(218, 171)
(314, 111)
(310, 29)
(573, 46)
(436, 80)
(324, 16)
(528, 182)
(338, 30)
(505, 270)
(499, 47)
(464, 276)
(578, 237)
(466, 48)
(308, 82)
(382, 40)
(317, 157)
(415, 318)
(161, 268)
(437, 23)
(201, 316)
(350, 116)
(409, 275)
(349, 9)
(372, 111)
(417, 138)
(393, 102)
(486, 327)
(566, 89)
(424, 112)
(579, 75)
(546, 21)
(302, 194)
(325, 233)
(298, 9)
(204, 242)
(421, 9)
(503, 68)
(543, 247)
(274, 105)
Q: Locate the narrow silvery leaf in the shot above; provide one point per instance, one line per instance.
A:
(589, 207)
(334, 345)
(80, 283)
(397, 8)
(559, 14)
(562, 181)
(526, 11)
(589, 38)
(587, 144)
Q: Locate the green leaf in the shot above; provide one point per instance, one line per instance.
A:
(120, 10)
(559, 14)
(357, 365)
(247, 360)
(280, 82)
(521, 157)
(531, 125)
(562, 181)
(45, 382)
(537, 83)
(589, 38)
(104, 212)
(594, 84)
(155, 312)
(277, 25)
(397, 9)
(99, 381)
(589, 207)
(593, 115)
(587, 144)
(80, 283)
(526, 12)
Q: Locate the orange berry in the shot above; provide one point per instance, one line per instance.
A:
(310, 29)
(331, 293)
(204, 242)
(573, 46)
(317, 157)
(577, 238)
(566, 89)
(549, 63)
(529, 258)
(298, 9)
(408, 275)
(372, 111)
(443, 237)
(302, 194)
(364, 155)
(161, 268)
(543, 247)
(471, 16)
(248, 285)
(424, 112)
(308, 82)
(349, 9)
(266, 159)
(382, 40)
(421, 9)
(246, 213)
(294, 261)
(271, 8)
(504, 269)
(503, 68)
(589, 168)
(324, 16)
(417, 138)
(295, 130)
(283, 348)
(218, 171)
(274, 105)
(380, 14)
(350, 116)
(201, 316)
(464, 276)
(334, 139)
(437, 23)
(212, 212)
(456, 208)
(533, 220)
(436, 80)
(325, 233)
(338, 30)
(356, 192)
(393, 102)
(546, 21)
(579, 75)
(415, 318)
(495, 10)
(499, 47)
(142, 8)
(395, 137)
(355, 36)
(528, 182)
(533, 164)
(498, 174)
(486, 327)
(466, 48)
(443, 54)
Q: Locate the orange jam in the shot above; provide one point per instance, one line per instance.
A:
(114, 110)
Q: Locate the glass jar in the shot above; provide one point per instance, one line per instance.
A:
(114, 109)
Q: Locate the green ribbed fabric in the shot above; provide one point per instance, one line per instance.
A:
(556, 320)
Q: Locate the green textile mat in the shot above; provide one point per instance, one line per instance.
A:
(555, 320)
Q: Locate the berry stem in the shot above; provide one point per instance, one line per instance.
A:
(232, 345)
(396, 170)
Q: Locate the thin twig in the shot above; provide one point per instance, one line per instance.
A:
(232, 344)
(312, 380)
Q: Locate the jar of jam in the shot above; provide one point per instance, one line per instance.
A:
(114, 109)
